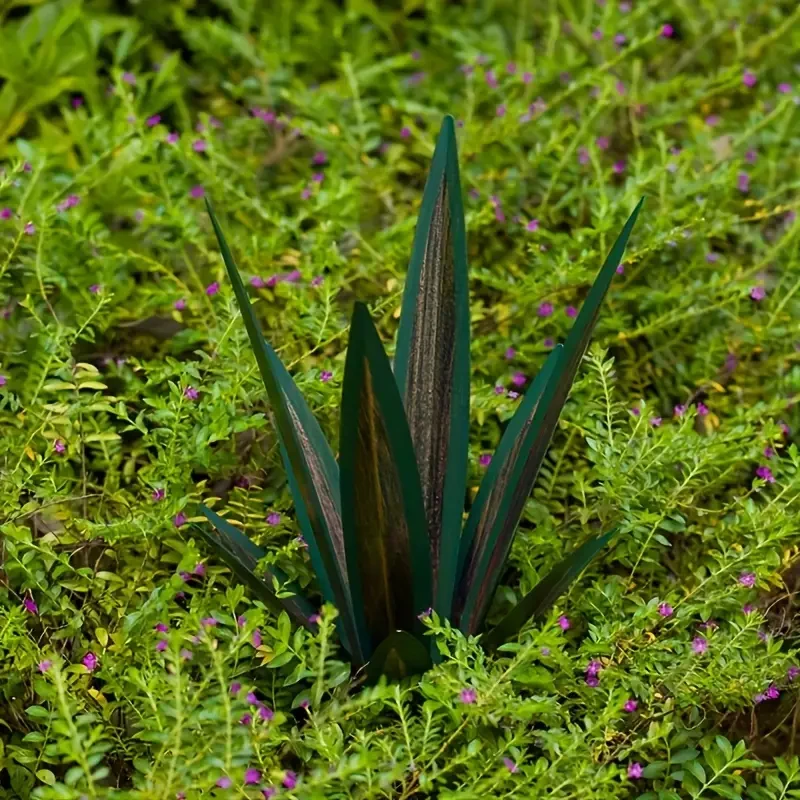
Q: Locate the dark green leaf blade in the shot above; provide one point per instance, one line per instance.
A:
(400, 655)
(242, 555)
(310, 466)
(489, 530)
(432, 359)
(486, 572)
(547, 591)
(383, 514)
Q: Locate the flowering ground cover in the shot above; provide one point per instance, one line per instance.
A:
(132, 663)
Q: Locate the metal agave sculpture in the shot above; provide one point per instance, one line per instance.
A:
(385, 525)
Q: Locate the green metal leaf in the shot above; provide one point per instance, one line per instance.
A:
(432, 360)
(547, 591)
(383, 514)
(398, 656)
(490, 529)
(242, 555)
(486, 570)
(310, 465)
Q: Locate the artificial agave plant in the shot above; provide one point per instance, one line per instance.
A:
(385, 525)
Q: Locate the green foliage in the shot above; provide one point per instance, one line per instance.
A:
(106, 373)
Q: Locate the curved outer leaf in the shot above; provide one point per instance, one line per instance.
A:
(547, 591)
(485, 572)
(432, 360)
(489, 530)
(242, 555)
(398, 656)
(388, 557)
(309, 462)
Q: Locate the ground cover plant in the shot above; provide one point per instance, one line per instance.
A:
(133, 663)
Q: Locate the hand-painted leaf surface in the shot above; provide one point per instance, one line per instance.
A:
(383, 515)
(242, 555)
(432, 360)
(539, 600)
(490, 528)
(310, 465)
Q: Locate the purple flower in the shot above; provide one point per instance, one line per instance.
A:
(564, 623)
(224, 782)
(29, 228)
(199, 145)
(152, 121)
(749, 78)
(619, 39)
(619, 166)
(269, 792)
(518, 379)
(620, 269)
(90, 662)
(158, 494)
(592, 681)
(161, 627)
(765, 473)
(491, 79)
(655, 421)
(699, 645)
(510, 765)
(510, 353)
(274, 518)
(212, 288)
(485, 459)
(636, 411)
(750, 156)
(712, 120)
(545, 309)
(172, 138)
(129, 78)
(317, 280)
(208, 622)
(583, 155)
(593, 668)
(179, 520)
(630, 705)
(513, 395)
(511, 68)
(468, 696)
(265, 714)
(197, 192)
(320, 157)
(77, 102)
(743, 182)
(30, 605)
(257, 282)
(425, 614)
(58, 446)
(768, 452)
(792, 673)
(571, 311)
(784, 88)
(190, 393)
(597, 34)
(545, 651)
(405, 132)
(161, 645)
(748, 579)
(748, 608)
(635, 770)
(186, 655)
(45, 665)
(251, 776)
(758, 293)
(666, 610)
(6, 213)
(256, 638)
(290, 780)
(499, 390)
(667, 31)
(500, 111)
(246, 719)
(702, 410)
(325, 375)
(602, 142)
(527, 77)
(679, 410)
(315, 619)
(179, 305)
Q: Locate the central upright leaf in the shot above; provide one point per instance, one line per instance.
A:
(382, 509)
(432, 360)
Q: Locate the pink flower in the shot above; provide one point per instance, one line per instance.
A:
(765, 473)
(620, 269)
(792, 673)
(161, 627)
(602, 142)
(592, 681)
(511, 68)
(500, 111)
(199, 146)
(768, 452)
(619, 166)
(256, 640)
(485, 459)
(784, 88)
(158, 494)
(499, 390)
(325, 375)
(702, 410)
(699, 645)
(251, 776)
(58, 446)
(29, 228)
(518, 379)
(593, 668)
(597, 34)
(532, 225)
(152, 121)
(186, 655)
(545, 309)
(527, 77)
(655, 421)
(129, 78)
(630, 705)
(564, 623)
(405, 132)
(197, 192)
(77, 102)
(190, 393)
(583, 155)
(45, 665)
(90, 662)
(758, 293)
(265, 714)
(199, 569)
(513, 395)
(712, 120)
(224, 782)
(571, 311)
(6, 213)
(320, 157)
(179, 305)
(749, 78)
(619, 39)
(162, 645)
(748, 608)
(290, 780)
(748, 579)
(665, 609)
(274, 518)
(635, 770)
(743, 182)
(30, 605)
(667, 31)
(172, 138)
(510, 765)
(510, 353)
(679, 410)
(212, 288)
(179, 520)
(468, 696)
(208, 622)
(750, 156)
(317, 280)
(491, 79)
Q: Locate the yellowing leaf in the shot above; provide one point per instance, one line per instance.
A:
(102, 636)
(99, 696)
(93, 385)
(57, 386)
